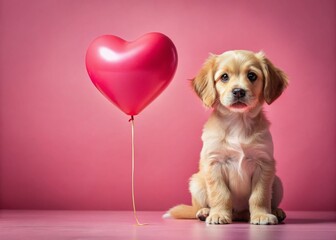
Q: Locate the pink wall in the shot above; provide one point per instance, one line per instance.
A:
(64, 146)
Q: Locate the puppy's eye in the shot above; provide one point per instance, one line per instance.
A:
(224, 77)
(252, 76)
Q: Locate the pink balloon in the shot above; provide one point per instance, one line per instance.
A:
(131, 74)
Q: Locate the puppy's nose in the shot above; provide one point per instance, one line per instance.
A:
(238, 92)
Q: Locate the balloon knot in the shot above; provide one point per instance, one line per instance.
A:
(131, 119)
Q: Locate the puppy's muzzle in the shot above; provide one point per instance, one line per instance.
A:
(238, 93)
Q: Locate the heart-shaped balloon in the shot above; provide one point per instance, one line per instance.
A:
(131, 74)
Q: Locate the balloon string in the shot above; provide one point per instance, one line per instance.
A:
(133, 197)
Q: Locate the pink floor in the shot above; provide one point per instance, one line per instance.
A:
(101, 225)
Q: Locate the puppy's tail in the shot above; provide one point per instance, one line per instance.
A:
(182, 212)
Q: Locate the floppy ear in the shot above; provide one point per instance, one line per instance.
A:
(275, 79)
(204, 83)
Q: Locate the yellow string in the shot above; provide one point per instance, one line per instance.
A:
(133, 197)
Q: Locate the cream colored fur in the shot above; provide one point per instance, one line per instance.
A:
(236, 178)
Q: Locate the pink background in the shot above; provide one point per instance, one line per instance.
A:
(64, 146)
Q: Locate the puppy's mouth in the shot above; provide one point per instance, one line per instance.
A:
(238, 105)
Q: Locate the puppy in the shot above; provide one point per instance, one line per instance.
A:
(236, 178)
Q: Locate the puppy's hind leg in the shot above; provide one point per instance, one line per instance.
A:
(198, 191)
(198, 194)
(277, 194)
(280, 214)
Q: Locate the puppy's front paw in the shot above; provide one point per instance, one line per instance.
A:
(203, 213)
(264, 219)
(221, 217)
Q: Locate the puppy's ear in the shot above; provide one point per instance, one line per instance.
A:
(204, 83)
(275, 79)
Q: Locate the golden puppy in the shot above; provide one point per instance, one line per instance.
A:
(236, 178)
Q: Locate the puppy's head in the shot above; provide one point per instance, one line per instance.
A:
(239, 80)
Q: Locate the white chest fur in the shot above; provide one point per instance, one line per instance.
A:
(236, 146)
